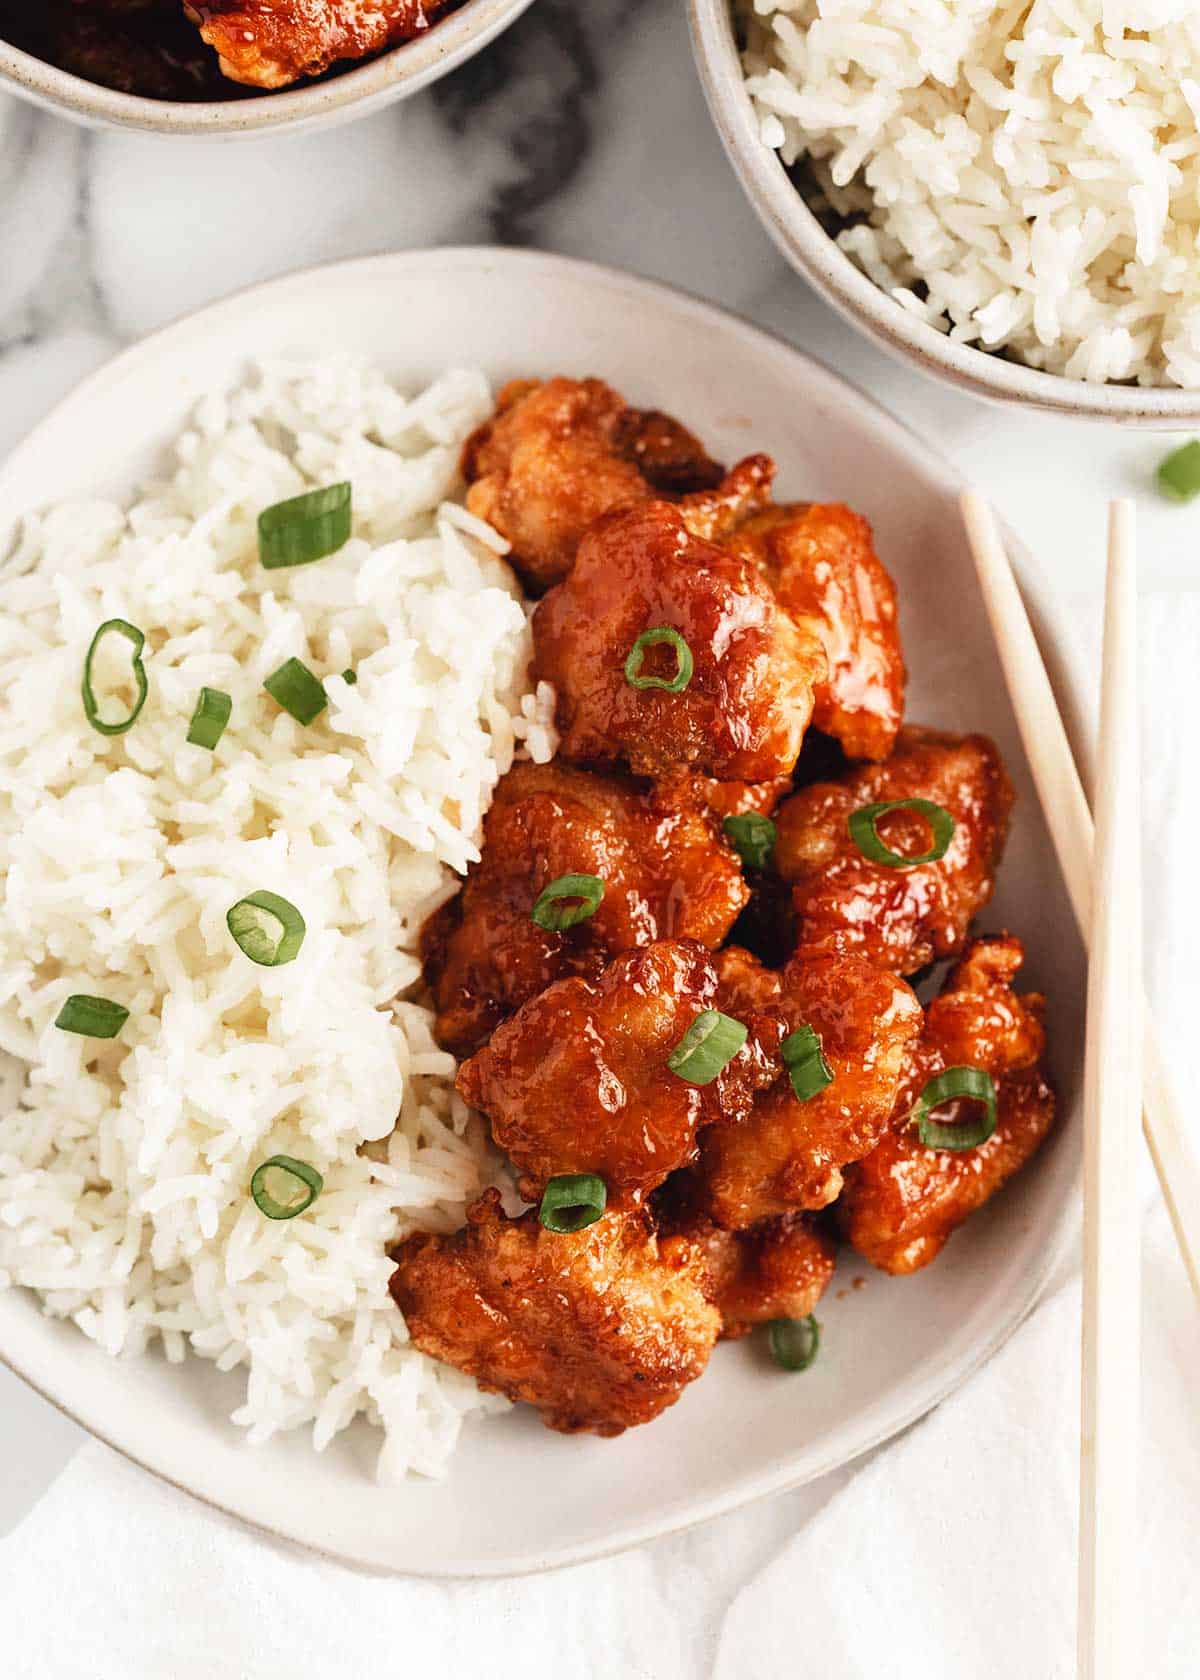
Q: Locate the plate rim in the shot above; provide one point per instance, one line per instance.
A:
(784, 1476)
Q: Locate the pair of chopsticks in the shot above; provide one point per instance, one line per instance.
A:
(1102, 870)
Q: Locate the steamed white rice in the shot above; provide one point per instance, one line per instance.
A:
(1021, 175)
(124, 1166)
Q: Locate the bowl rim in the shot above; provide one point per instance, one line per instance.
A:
(810, 250)
(1042, 1266)
(401, 70)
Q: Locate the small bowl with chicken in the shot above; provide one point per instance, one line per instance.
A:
(236, 67)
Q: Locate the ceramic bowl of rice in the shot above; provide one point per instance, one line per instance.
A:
(1004, 192)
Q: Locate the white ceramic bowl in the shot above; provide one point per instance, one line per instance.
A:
(518, 1497)
(811, 251)
(391, 76)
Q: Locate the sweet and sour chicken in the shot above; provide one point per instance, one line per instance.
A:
(695, 1128)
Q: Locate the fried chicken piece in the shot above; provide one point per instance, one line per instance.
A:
(577, 1080)
(746, 705)
(141, 47)
(788, 1154)
(820, 560)
(777, 1269)
(272, 43)
(600, 1329)
(903, 1201)
(900, 919)
(667, 869)
(558, 454)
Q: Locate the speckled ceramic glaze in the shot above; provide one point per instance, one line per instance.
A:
(518, 1497)
(391, 76)
(810, 250)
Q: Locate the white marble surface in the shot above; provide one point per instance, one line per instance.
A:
(581, 131)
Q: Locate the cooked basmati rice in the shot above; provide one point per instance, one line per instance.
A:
(124, 1166)
(1024, 176)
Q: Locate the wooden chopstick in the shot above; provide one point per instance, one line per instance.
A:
(1069, 820)
(1111, 1101)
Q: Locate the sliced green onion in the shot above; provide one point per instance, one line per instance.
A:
(91, 1017)
(350, 677)
(956, 1083)
(572, 1201)
(297, 691)
(804, 1058)
(752, 837)
(865, 834)
(283, 1187)
(209, 718)
(137, 640)
(795, 1342)
(709, 1044)
(267, 928)
(304, 528)
(549, 913)
(684, 664)
(1179, 474)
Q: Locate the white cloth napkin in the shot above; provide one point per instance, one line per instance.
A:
(950, 1556)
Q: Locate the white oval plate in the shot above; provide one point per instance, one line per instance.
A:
(518, 1497)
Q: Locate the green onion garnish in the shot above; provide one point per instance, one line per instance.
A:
(865, 835)
(350, 678)
(572, 1201)
(794, 1342)
(209, 718)
(1179, 474)
(684, 664)
(136, 639)
(972, 1084)
(297, 691)
(91, 1017)
(706, 1047)
(267, 928)
(554, 916)
(804, 1059)
(752, 837)
(283, 1187)
(304, 528)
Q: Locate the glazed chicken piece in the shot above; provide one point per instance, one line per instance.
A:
(668, 873)
(141, 47)
(271, 43)
(778, 1269)
(820, 560)
(741, 713)
(578, 1081)
(789, 1154)
(600, 1329)
(903, 1201)
(556, 455)
(898, 918)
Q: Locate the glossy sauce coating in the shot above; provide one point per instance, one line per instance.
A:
(786, 1154)
(777, 1269)
(668, 872)
(821, 562)
(900, 919)
(600, 1330)
(578, 1081)
(904, 1200)
(270, 43)
(742, 715)
(556, 455)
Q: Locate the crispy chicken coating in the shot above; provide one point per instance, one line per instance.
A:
(820, 560)
(787, 1154)
(777, 1269)
(557, 455)
(600, 1330)
(901, 919)
(746, 705)
(577, 1080)
(667, 869)
(903, 1201)
(270, 43)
